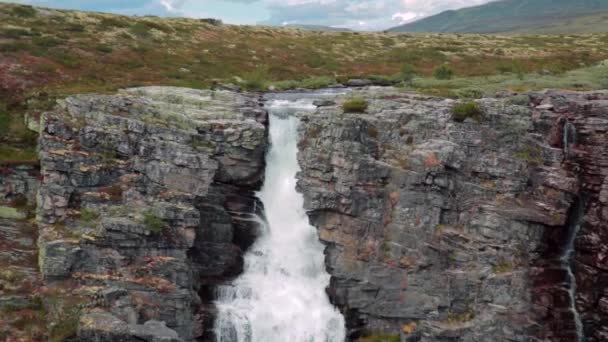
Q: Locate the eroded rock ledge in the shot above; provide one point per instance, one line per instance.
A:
(451, 231)
(143, 203)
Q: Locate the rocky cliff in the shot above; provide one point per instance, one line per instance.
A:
(451, 231)
(436, 230)
(143, 205)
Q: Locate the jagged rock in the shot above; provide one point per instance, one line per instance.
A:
(129, 189)
(358, 82)
(457, 226)
(324, 103)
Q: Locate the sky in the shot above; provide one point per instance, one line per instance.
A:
(353, 14)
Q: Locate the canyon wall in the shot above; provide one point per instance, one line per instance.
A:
(434, 229)
(143, 205)
(456, 231)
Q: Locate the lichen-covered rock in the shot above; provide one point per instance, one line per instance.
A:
(129, 201)
(454, 228)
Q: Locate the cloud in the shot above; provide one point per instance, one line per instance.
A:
(356, 14)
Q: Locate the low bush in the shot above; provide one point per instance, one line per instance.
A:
(256, 80)
(104, 48)
(408, 73)
(355, 105)
(443, 72)
(88, 215)
(24, 11)
(154, 223)
(465, 110)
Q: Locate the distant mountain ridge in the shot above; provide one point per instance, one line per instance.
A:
(510, 16)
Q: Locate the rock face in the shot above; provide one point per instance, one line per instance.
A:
(19, 277)
(436, 230)
(587, 159)
(142, 205)
(451, 231)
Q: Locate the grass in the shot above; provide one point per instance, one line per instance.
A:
(355, 105)
(443, 72)
(11, 154)
(380, 337)
(88, 215)
(66, 52)
(467, 110)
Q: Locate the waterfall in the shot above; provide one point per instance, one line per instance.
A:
(569, 137)
(573, 225)
(280, 297)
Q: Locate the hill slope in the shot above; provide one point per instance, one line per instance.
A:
(508, 16)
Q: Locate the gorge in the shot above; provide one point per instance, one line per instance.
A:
(151, 207)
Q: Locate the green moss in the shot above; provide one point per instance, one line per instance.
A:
(15, 154)
(529, 155)
(503, 266)
(466, 110)
(355, 105)
(88, 215)
(154, 223)
(380, 337)
(11, 213)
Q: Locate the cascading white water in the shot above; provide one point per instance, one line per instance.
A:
(280, 297)
(574, 226)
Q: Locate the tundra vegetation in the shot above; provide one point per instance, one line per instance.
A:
(46, 54)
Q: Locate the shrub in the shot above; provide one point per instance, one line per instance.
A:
(355, 105)
(154, 223)
(15, 33)
(107, 23)
(256, 80)
(211, 21)
(88, 215)
(443, 72)
(75, 27)
(142, 29)
(24, 11)
(104, 48)
(408, 72)
(46, 42)
(465, 110)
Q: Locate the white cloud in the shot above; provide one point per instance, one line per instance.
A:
(405, 17)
